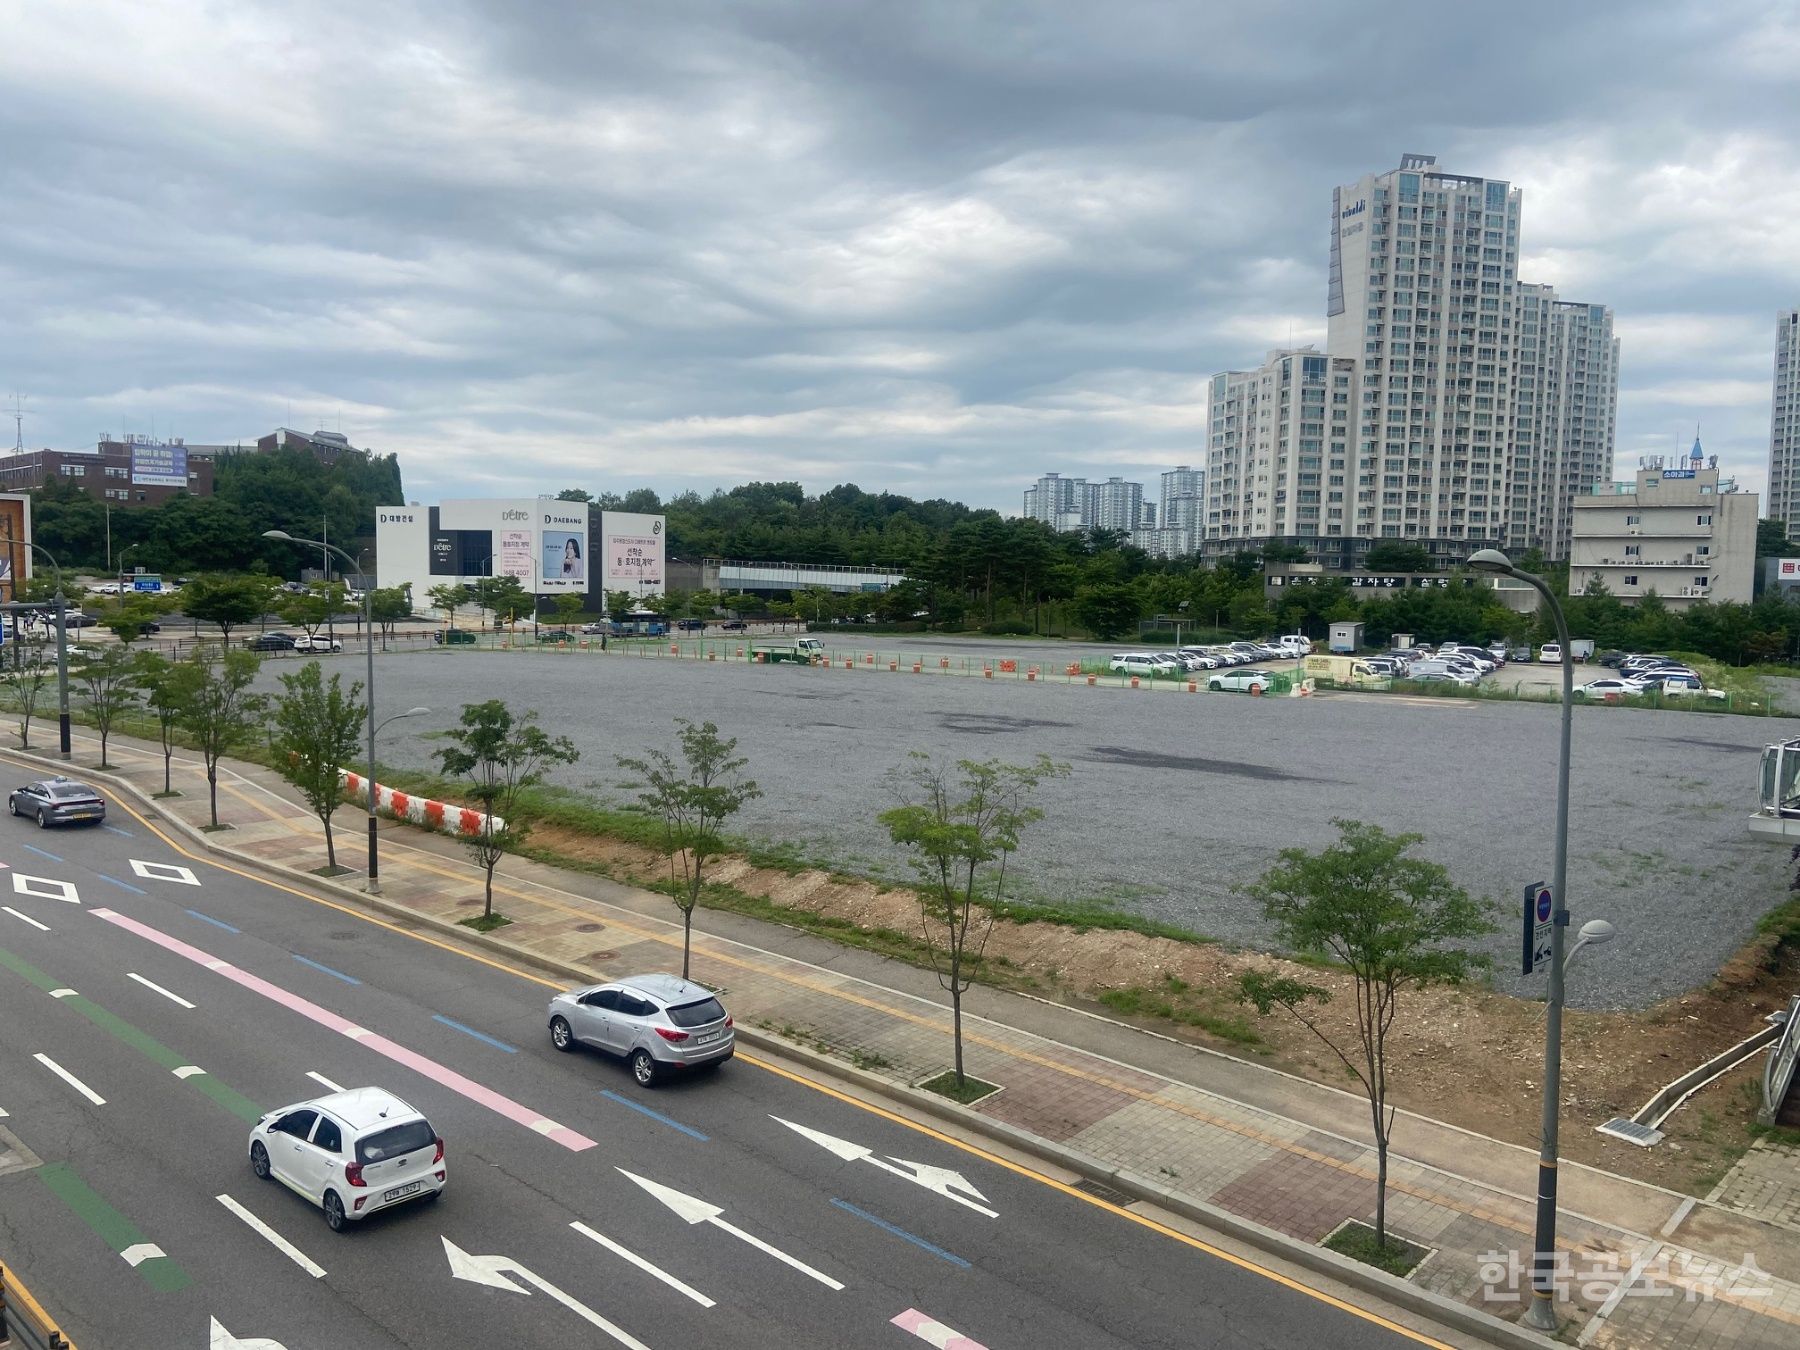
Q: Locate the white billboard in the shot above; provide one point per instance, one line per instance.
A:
(632, 546)
(562, 547)
(513, 555)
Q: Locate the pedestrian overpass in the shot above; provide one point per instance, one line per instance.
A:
(725, 575)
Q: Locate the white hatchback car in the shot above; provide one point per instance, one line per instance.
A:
(351, 1153)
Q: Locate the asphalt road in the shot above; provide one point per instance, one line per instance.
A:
(152, 1013)
(1177, 802)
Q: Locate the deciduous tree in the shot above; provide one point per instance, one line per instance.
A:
(693, 800)
(108, 687)
(1392, 923)
(168, 687)
(219, 708)
(961, 829)
(313, 736)
(499, 755)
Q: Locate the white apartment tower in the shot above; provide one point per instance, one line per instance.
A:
(1279, 452)
(1422, 289)
(1114, 505)
(1566, 379)
(1474, 408)
(1061, 503)
(1784, 426)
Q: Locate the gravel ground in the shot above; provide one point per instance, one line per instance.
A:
(1177, 801)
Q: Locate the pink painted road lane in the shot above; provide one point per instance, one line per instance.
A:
(475, 1092)
(933, 1332)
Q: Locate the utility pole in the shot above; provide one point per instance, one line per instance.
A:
(18, 424)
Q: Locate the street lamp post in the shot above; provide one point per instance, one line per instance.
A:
(374, 886)
(1541, 1315)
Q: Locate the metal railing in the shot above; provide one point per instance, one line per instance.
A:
(1778, 1076)
(23, 1324)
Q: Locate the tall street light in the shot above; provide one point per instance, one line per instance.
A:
(1541, 1315)
(374, 886)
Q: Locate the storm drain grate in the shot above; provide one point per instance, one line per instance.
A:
(1101, 1191)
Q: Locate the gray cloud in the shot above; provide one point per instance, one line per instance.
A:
(933, 248)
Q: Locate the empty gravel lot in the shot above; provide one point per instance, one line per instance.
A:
(1177, 801)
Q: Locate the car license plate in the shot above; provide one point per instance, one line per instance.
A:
(399, 1191)
(709, 1036)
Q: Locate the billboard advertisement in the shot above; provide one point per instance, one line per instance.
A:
(1787, 569)
(15, 558)
(159, 465)
(512, 555)
(562, 546)
(633, 545)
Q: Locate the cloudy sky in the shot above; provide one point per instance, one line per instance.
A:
(931, 247)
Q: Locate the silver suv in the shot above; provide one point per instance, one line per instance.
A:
(657, 1022)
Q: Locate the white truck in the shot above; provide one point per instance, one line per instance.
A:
(1345, 672)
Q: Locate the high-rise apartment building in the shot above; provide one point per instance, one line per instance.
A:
(1183, 498)
(1424, 266)
(1115, 504)
(1425, 316)
(1061, 503)
(1784, 426)
(1278, 457)
(1565, 418)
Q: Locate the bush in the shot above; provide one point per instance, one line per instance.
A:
(1007, 627)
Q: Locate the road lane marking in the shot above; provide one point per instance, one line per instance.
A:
(691, 1209)
(670, 1121)
(570, 1139)
(64, 993)
(218, 1338)
(278, 1242)
(155, 871)
(306, 961)
(116, 830)
(70, 1079)
(217, 923)
(26, 918)
(152, 984)
(122, 885)
(626, 1253)
(113, 1228)
(187, 1071)
(148, 1046)
(478, 1035)
(493, 1270)
(41, 852)
(416, 859)
(944, 1181)
(933, 1332)
(54, 889)
(900, 1232)
(323, 1081)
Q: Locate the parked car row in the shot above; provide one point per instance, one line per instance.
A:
(288, 642)
(1642, 675)
(1217, 656)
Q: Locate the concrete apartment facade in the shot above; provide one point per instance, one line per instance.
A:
(1458, 433)
(1679, 530)
(1784, 425)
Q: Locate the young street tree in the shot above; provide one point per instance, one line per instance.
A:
(314, 734)
(1391, 921)
(448, 596)
(313, 610)
(168, 687)
(219, 709)
(387, 607)
(26, 674)
(961, 829)
(693, 800)
(500, 755)
(108, 687)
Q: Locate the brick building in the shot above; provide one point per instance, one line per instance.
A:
(133, 472)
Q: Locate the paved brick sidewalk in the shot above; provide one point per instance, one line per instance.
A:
(1684, 1284)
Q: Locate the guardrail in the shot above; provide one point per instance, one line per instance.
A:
(1778, 1076)
(24, 1325)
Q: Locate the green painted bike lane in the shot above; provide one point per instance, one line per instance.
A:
(118, 1232)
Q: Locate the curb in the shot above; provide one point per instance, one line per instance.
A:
(1444, 1311)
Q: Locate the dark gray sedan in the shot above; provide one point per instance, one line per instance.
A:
(57, 801)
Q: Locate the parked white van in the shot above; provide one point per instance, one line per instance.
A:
(1550, 654)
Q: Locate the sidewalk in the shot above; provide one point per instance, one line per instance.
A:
(1228, 1141)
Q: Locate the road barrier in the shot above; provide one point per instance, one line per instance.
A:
(24, 1325)
(446, 817)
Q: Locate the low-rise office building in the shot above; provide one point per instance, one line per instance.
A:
(1678, 530)
(136, 471)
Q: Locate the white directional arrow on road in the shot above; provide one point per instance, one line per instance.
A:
(939, 1180)
(224, 1340)
(693, 1210)
(493, 1271)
